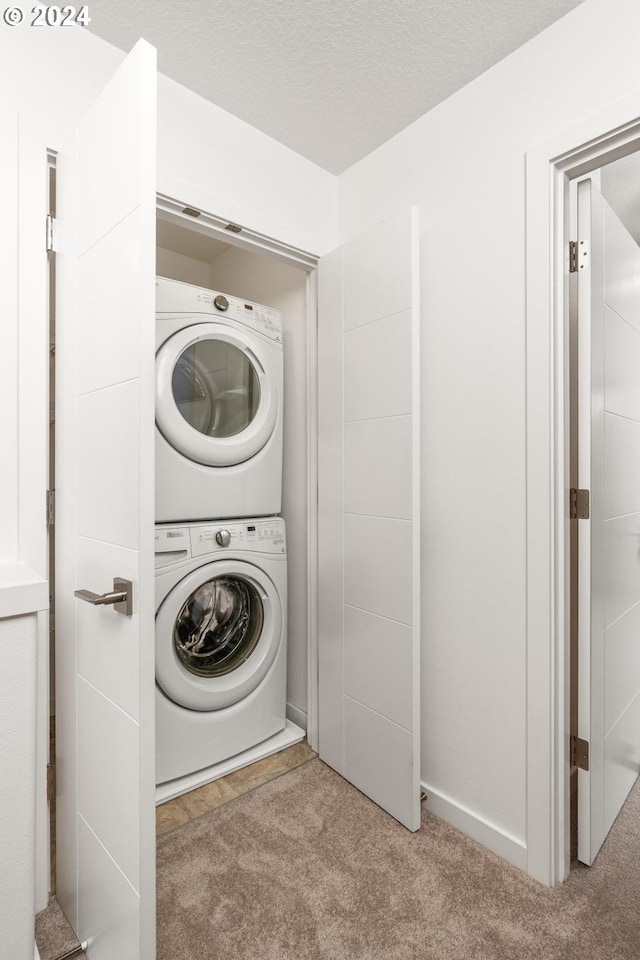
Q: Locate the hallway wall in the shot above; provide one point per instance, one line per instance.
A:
(463, 164)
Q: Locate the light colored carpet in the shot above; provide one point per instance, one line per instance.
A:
(54, 934)
(306, 867)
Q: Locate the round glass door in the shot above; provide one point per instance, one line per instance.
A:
(216, 388)
(217, 394)
(218, 632)
(219, 626)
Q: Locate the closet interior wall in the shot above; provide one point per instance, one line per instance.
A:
(207, 262)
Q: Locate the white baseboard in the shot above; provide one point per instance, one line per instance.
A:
(504, 844)
(297, 716)
(35, 952)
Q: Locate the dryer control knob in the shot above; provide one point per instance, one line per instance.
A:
(223, 538)
(221, 302)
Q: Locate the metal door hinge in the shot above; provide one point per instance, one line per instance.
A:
(573, 256)
(578, 255)
(579, 750)
(578, 504)
(51, 782)
(52, 234)
(51, 507)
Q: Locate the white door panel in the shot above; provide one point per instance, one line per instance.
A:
(608, 543)
(106, 893)
(108, 420)
(378, 759)
(369, 517)
(621, 466)
(385, 491)
(622, 362)
(377, 273)
(109, 667)
(103, 802)
(330, 512)
(622, 570)
(622, 761)
(621, 272)
(109, 346)
(378, 566)
(622, 666)
(105, 492)
(377, 664)
(376, 359)
(111, 143)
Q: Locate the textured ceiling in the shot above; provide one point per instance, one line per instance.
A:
(621, 186)
(332, 79)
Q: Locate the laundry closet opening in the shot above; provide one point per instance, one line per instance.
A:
(225, 561)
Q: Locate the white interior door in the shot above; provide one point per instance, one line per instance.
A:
(608, 543)
(369, 515)
(105, 496)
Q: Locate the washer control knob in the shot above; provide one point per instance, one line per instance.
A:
(223, 538)
(221, 302)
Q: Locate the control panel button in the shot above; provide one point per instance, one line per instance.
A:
(221, 302)
(223, 538)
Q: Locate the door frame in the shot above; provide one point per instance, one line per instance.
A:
(608, 135)
(201, 221)
(39, 141)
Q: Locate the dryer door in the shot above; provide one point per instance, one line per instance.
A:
(217, 634)
(216, 394)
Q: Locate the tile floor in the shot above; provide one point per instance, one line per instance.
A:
(175, 813)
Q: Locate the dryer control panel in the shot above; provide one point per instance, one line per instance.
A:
(172, 297)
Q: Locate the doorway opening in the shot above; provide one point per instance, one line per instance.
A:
(197, 249)
(605, 507)
(51, 493)
(552, 167)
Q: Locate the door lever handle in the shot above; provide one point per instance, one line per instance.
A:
(121, 597)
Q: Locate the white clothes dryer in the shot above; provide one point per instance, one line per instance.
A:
(221, 641)
(219, 387)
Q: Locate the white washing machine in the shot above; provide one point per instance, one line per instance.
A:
(221, 648)
(219, 387)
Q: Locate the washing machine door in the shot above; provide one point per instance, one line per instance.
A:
(216, 394)
(217, 634)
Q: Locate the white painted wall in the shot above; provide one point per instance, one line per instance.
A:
(9, 341)
(222, 165)
(463, 165)
(263, 280)
(176, 266)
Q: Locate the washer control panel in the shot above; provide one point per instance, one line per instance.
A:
(264, 536)
(175, 297)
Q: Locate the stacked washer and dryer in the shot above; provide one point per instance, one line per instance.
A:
(221, 560)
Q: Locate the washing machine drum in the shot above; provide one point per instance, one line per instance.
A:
(217, 635)
(216, 397)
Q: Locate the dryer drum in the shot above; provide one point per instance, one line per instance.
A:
(220, 403)
(219, 626)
